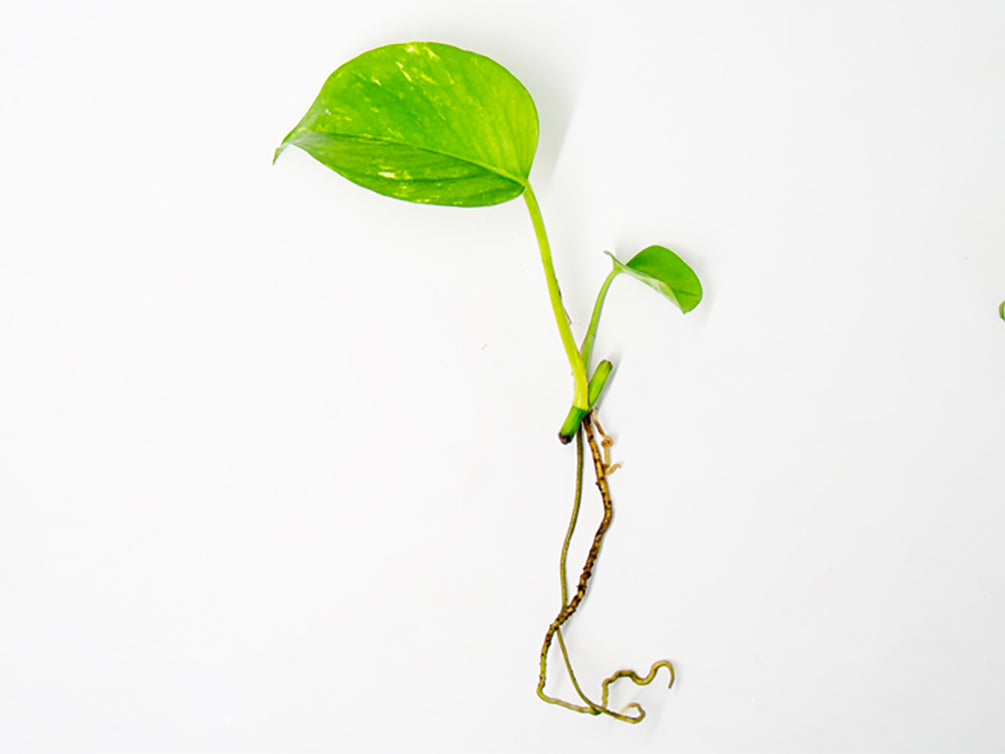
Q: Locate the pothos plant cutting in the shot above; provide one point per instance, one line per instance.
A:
(434, 124)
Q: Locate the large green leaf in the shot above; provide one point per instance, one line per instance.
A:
(661, 269)
(424, 122)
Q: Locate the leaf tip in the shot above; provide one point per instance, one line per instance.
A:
(690, 303)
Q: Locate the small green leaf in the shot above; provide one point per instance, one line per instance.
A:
(424, 122)
(661, 269)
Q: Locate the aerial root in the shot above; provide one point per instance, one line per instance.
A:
(633, 712)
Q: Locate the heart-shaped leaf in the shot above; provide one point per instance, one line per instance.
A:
(661, 269)
(424, 122)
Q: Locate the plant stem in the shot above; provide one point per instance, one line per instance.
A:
(591, 332)
(581, 396)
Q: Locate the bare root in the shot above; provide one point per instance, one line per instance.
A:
(602, 467)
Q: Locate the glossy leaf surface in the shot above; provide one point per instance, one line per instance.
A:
(424, 122)
(661, 269)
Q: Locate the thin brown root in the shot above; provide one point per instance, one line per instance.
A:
(602, 467)
(591, 558)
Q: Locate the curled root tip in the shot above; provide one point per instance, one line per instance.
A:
(638, 681)
(633, 718)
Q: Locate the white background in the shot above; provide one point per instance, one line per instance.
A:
(278, 467)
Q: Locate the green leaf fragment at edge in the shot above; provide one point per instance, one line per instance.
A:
(664, 271)
(424, 122)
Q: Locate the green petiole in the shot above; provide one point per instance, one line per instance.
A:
(580, 398)
(586, 391)
(591, 332)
